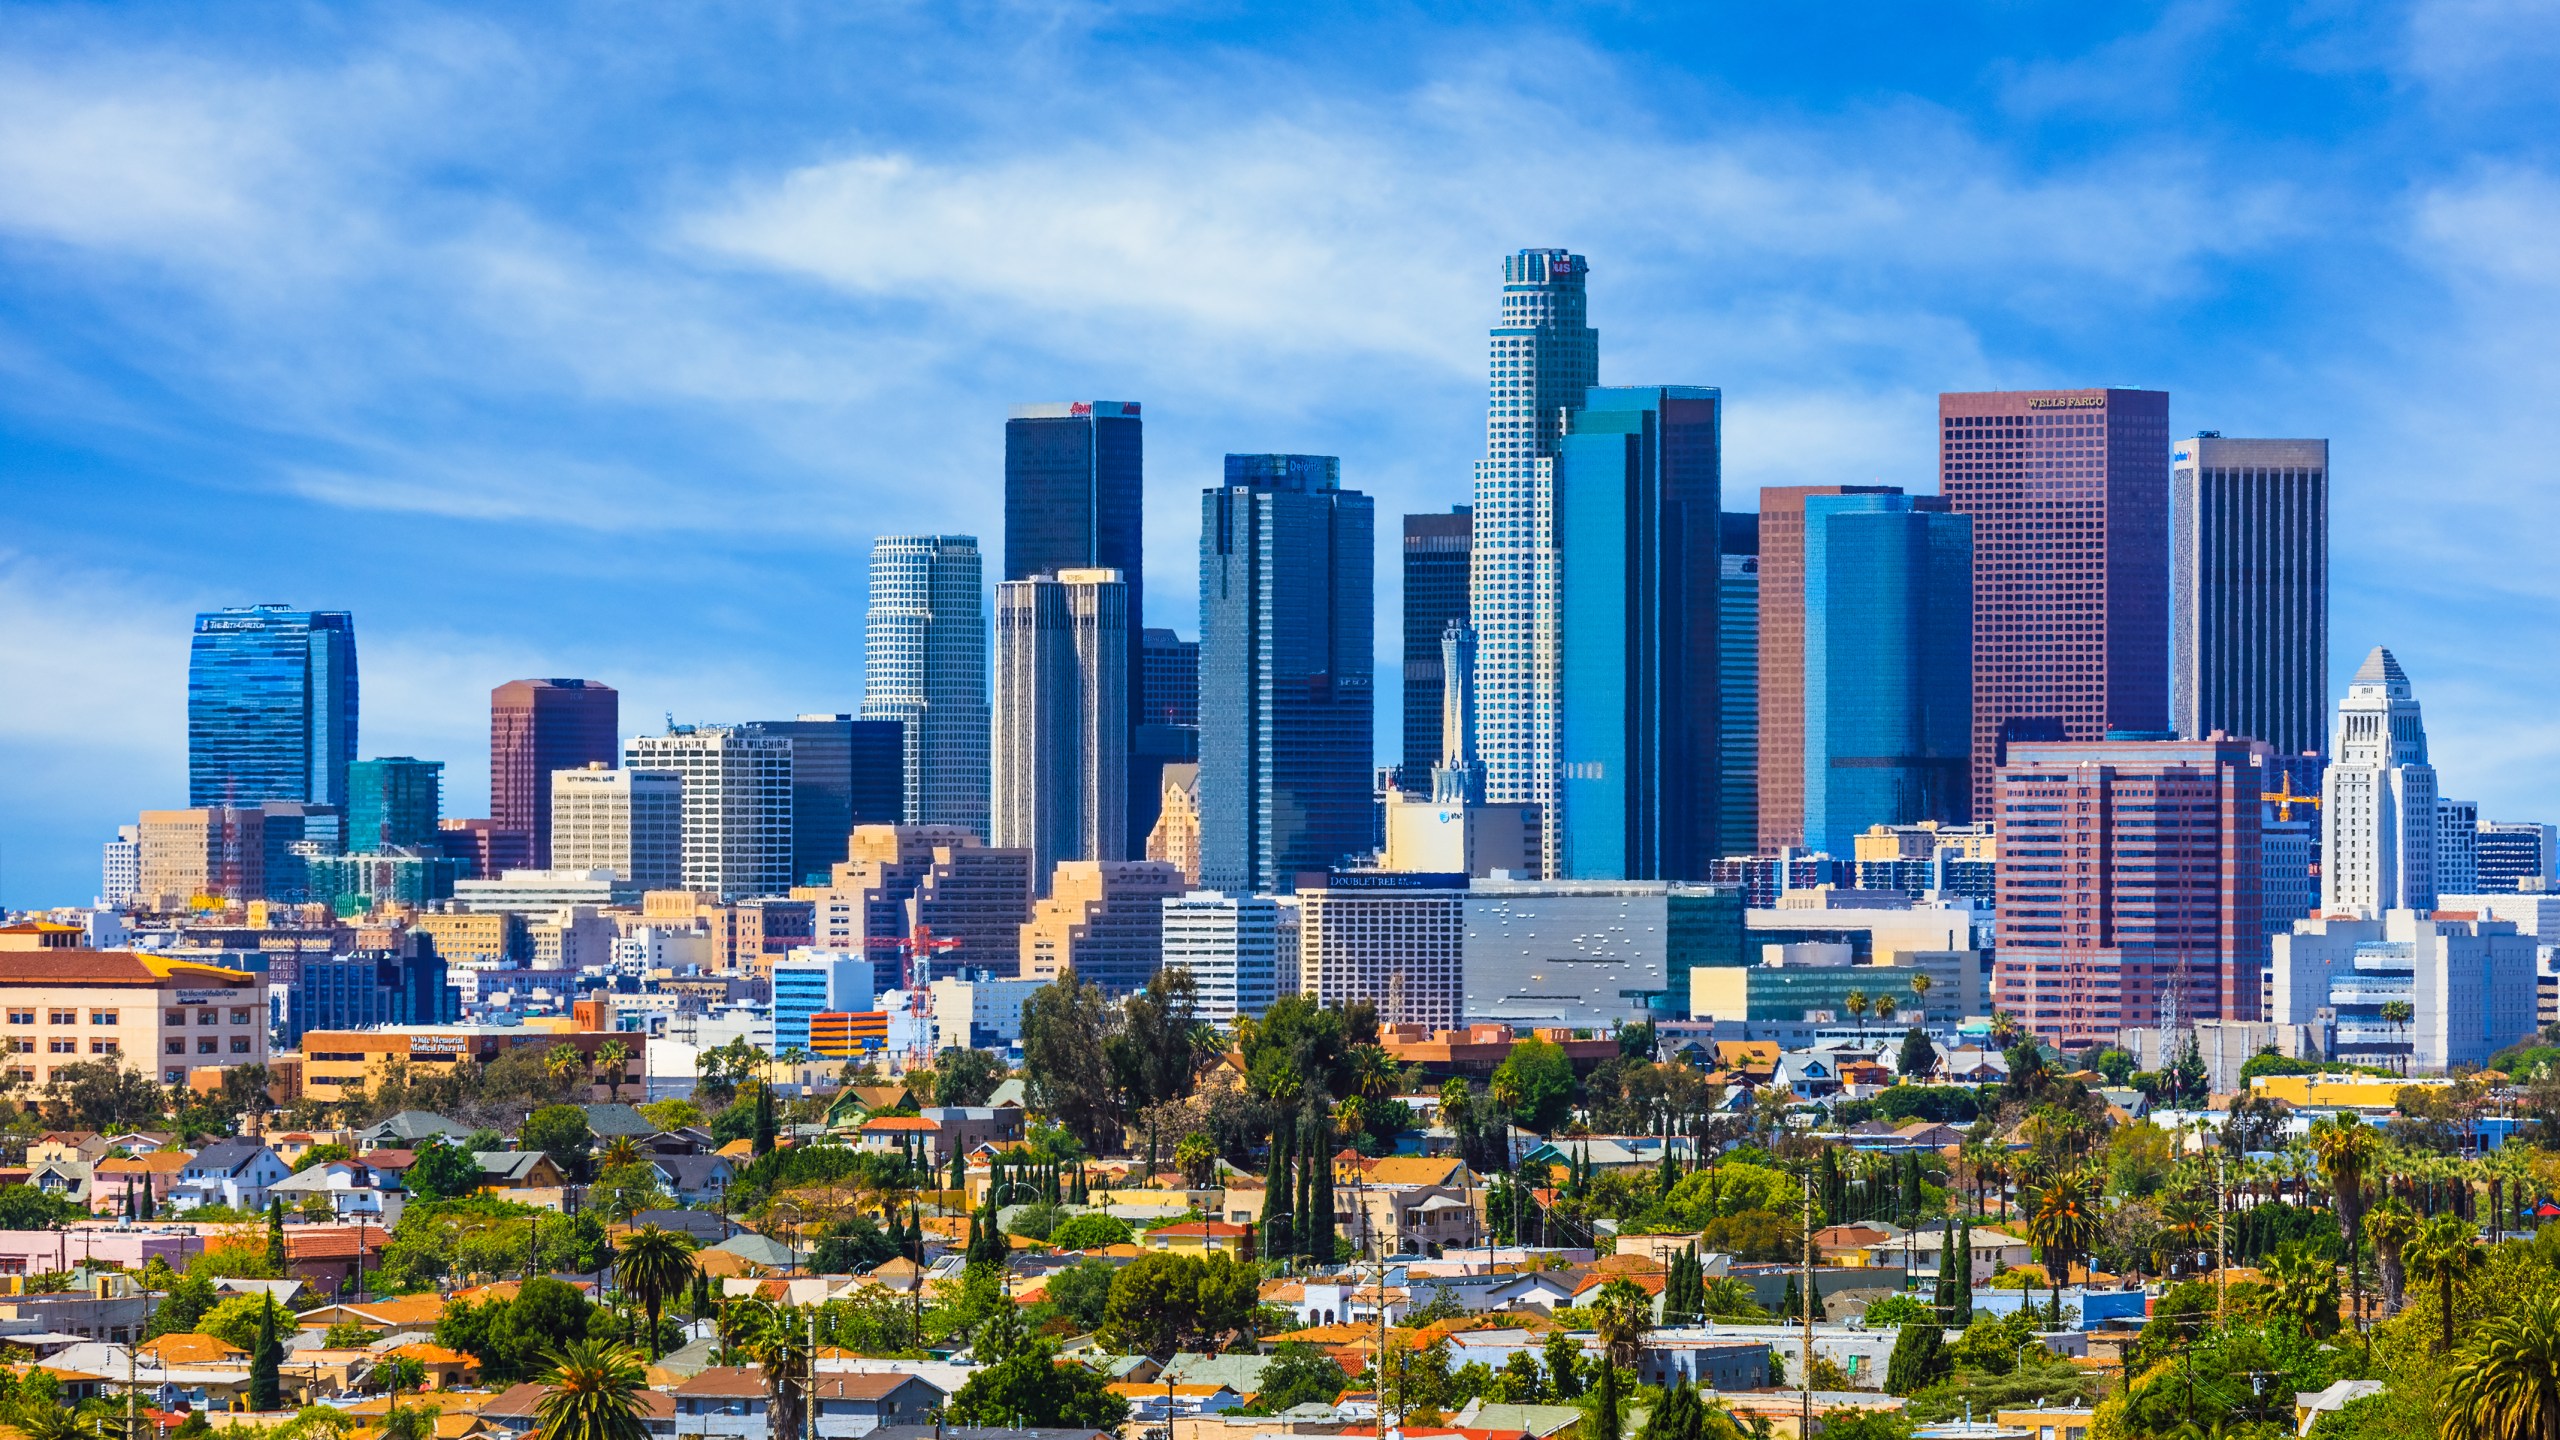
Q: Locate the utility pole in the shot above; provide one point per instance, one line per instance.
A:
(2221, 1243)
(1804, 1372)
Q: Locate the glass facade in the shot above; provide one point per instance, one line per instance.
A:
(924, 665)
(1287, 645)
(844, 772)
(1738, 672)
(394, 800)
(1436, 557)
(1888, 627)
(271, 706)
(538, 728)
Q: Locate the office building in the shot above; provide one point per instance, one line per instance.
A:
(1543, 359)
(980, 1012)
(1230, 944)
(1639, 514)
(1779, 731)
(811, 982)
(362, 882)
(394, 800)
(2378, 805)
(1763, 878)
(399, 981)
(2515, 856)
(1437, 557)
(1061, 757)
(120, 873)
(2249, 590)
(897, 878)
(1738, 682)
(1888, 703)
(298, 831)
(844, 772)
(626, 823)
(2457, 846)
(1168, 732)
(1395, 941)
(2084, 953)
(1176, 836)
(271, 706)
(119, 1007)
(1287, 610)
(1888, 940)
(536, 729)
(216, 852)
(736, 798)
(1102, 919)
(2469, 984)
(533, 893)
(1589, 953)
(2069, 495)
(924, 665)
(484, 848)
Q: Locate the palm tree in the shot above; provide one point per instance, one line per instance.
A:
(2063, 1223)
(1196, 1156)
(2391, 1227)
(2347, 1148)
(2306, 1288)
(1855, 1002)
(2508, 1384)
(1373, 1071)
(1620, 1318)
(1921, 985)
(562, 1062)
(2447, 1252)
(619, 1151)
(615, 1058)
(2191, 1222)
(592, 1393)
(777, 1337)
(2397, 1014)
(656, 1266)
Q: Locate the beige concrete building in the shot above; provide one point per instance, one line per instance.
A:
(897, 877)
(1176, 838)
(335, 1062)
(149, 1013)
(630, 822)
(465, 938)
(1104, 919)
(215, 852)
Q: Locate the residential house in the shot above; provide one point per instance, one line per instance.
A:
(1850, 1244)
(141, 1142)
(695, 1179)
(1540, 1290)
(1972, 1067)
(902, 1135)
(292, 1145)
(705, 1227)
(1993, 1251)
(1198, 1237)
(236, 1173)
(724, 1401)
(63, 1179)
(518, 1170)
(88, 1147)
(512, 1412)
(1152, 1404)
(445, 1369)
(410, 1127)
(388, 1314)
(349, 1187)
(119, 1186)
(966, 1127)
(329, 1258)
(858, 1404)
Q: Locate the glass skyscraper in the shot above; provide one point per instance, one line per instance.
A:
(1888, 665)
(1543, 358)
(924, 664)
(271, 706)
(1639, 514)
(1738, 672)
(2249, 590)
(393, 800)
(1435, 598)
(1287, 664)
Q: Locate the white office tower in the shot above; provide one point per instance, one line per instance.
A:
(120, 876)
(1231, 946)
(2457, 847)
(2378, 808)
(737, 805)
(2467, 979)
(629, 822)
(1061, 756)
(924, 664)
(1543, 360)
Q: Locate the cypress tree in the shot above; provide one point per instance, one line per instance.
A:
(960, 1173)
(1919, 1359)
(275, 1236)
(1323, 1160)
(915, 1233)
(1791, 1308)
(1942, 1301)
(1606, 1423)
(1305, 1209)
(764, 1120)
(266, 1363)
(1277, 1238)
(1962, 1315)
(1669, 1174)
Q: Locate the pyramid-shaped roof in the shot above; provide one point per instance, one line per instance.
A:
(2379, 668)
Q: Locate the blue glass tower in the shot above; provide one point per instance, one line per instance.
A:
(1888, 665)
(1287, 663)
(393, 800)
(271, 706)
(1639, 514)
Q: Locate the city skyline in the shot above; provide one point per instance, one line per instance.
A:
(1841, 396)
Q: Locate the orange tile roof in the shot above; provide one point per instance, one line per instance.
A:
(157, 1162)
(189, 1349)
(1412, 1170)
(111, 967)
(889, 1123)
(426, 1354)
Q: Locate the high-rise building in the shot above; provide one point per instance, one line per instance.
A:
(1779, 734)
(628, 822)
(1639, 513)
(1075, 499)
(1738, 682)
(1287, 627)
(1168, 733)
(1888, 688)
(1395, 941)
(1437, 555)
(1176, 836)
(1103, 919)
(217, 851)
(1544, 358)
(2069, 494)
(271, 706)
(393, 800)
(120, 877)
(538, 727)
(2249, 590)
(1061, 755)
(940, 877)
(2378, 805)
(844, 772)
(298, 832)
(484, 848)
(737, 805)
(1231, 946)
(2127, 941)
(924, 665)
(2457, 847)
(2515, 855)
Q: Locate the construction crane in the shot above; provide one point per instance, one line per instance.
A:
(917, 947)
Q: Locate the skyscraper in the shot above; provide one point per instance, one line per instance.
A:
(737, 805)
(2457, 847)
(2378, 805)
(1544, 357)
(1061, 757)
(844, 772)
(271, 705)
(1287, 627)
(537, 727)
(2069, 494)
(630, 822)
(2515, 855)
(2249, 589)
(1888, 689)
(924, 665)
(1738, 682)
(1168, 732)
(1171, 677)
(1075, 499)
(1436, 561)
(1638, 481)
(1780, 735)
(393, 800)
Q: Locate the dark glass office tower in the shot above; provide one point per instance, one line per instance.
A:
(1287, 636)
(1075, 499)
(1170, 734)
(1639, 511)
(271, 706)
(844, 772)
(1438, 549)
(393, 800)
(537, 727)
(1738, 672)
(2249, 590)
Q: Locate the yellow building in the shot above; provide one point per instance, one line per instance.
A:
(192, 857)
(150, 1013)
(1924, 840)
(2345, 1092)
(335, 1062)
(2048, 1423)
(1176, 838)
(1104, 919)
(465, 938)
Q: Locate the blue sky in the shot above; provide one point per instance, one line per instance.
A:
(599, 340)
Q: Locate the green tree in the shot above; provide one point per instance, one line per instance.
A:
(1534, 1085)
(966, 1077)
(775, 1337)
(1161, 1303)
(593, 1392)
(655, 1266)
(671, 1114)
(1919, 1359)
(24, 1207)
(321, 1155)
(235, 1321)
(2507, 1384)
(560, 1131)
(2306, 1288)
(1091, 1232)
(443, 1171)
(1066, 1034)
(1564, 1368)
(1299, 1373)
(1919, 1058)
(1082, 1292)
(765, 1131)
(2446, 1254)
(266, 1357)
(275, 1237)
(182, 1307)
(1020, 1382)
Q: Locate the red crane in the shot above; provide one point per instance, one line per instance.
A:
(918, 946)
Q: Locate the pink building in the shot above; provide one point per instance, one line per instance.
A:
(2069, 494)
(40, 1252)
